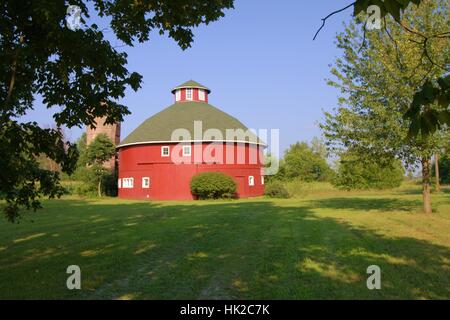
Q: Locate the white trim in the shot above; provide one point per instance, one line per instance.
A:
(189, 141)
(162, 151)
(262, 180)
(251, 181)
(119, 183)
(186, 154)
(193, 87)
(144, 184)
(177, 95)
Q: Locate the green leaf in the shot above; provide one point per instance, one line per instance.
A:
(394, 8)
(360, 6)
(444, 82)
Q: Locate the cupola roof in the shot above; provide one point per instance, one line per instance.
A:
(191, 84)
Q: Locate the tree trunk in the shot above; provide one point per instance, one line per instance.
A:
(12, 81)
(426, 185)
(99, 188)
(436, 171)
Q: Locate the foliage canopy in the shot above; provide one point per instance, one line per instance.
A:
(78, 72)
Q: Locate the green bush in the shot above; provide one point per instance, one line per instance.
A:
(82, 189)
(85, 183)
(213, 185)
(276, 189)
(109, 184)
(301, 162)
(299, 188)
(356, 172)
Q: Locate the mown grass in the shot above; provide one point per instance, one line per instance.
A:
(317, 246)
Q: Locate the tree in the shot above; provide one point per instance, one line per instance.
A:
(378, 82)
(272, 161)
(79, 72)
(356, 171)
(301, 162)
(319, 147)
(100, 150)
(81, 145)
(424, 120)
(436, 172)
(444, 167)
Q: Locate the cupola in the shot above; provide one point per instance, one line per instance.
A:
(191, 91)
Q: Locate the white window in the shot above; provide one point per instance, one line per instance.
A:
(165, 151)
(201, 95)
(262, 180)
(189, 94)
(186, 151)
(119, 183)
(127, 183)
(251, 180)
(178, 95)
(145, 182)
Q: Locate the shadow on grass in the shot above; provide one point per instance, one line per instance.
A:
(201, 250)
(445, 189)
(367, 204)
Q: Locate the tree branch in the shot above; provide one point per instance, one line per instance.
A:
(14, 70)
(328, 16)
(424, 43)
(397, 51)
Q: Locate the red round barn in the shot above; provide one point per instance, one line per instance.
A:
(159, 158)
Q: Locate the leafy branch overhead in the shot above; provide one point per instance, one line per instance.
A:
(78, 73)
(425, 118)
(393, 7)
(379, 83)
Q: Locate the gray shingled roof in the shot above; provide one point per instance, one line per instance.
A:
(159, 127)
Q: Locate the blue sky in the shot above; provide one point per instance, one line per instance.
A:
(259, 61)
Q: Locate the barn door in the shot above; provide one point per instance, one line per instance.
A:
(242, 188)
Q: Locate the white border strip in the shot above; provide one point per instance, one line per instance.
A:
(193, 87)
(188, 141)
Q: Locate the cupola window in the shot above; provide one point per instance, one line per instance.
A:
(189, 94)
(201, 94)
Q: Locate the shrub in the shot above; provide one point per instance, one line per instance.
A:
(356, 172)
(86, 182)
(301, 162)
(109, 184)
(213, 185)
(276, 189)
(82, 189)
(299, 188)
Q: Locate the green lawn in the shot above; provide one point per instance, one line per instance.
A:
(313, 247)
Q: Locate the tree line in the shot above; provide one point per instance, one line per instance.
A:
(395, 82)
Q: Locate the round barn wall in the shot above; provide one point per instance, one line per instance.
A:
(152, 164)
(171, 181)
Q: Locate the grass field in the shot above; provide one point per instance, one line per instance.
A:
(316, 246)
